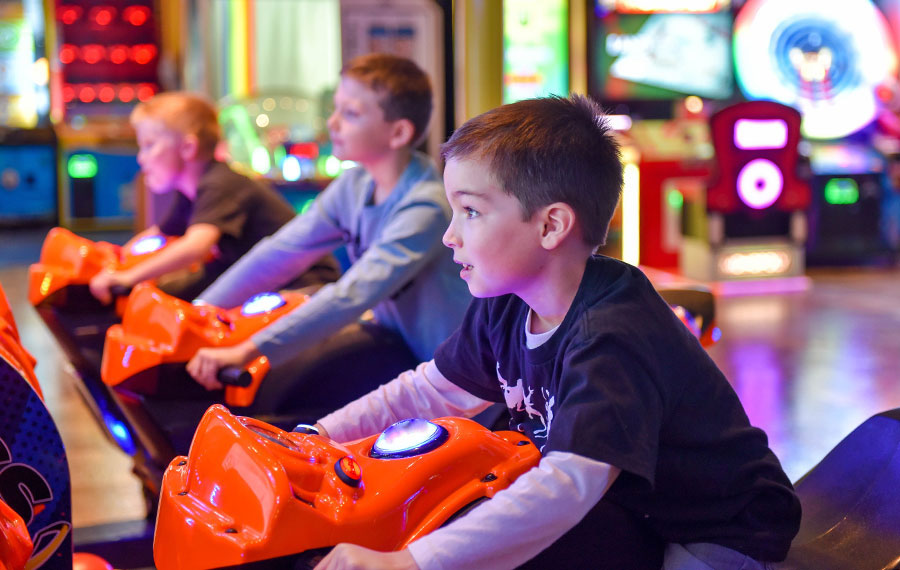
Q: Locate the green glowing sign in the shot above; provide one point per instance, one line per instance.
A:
(841, 191)
(82, 166)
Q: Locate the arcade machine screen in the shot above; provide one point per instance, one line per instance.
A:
(660, 56)
(27, 141)
(535, 49)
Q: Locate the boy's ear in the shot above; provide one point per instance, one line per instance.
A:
(402, 132)
(190, 144)
(557, 223)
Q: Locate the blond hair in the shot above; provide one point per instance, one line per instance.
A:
(184, 113)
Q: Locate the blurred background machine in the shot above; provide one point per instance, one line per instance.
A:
(107, 58)
(27, 140)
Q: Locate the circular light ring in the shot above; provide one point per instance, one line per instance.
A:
(862, 56)
(262, 303)
(408, 438)
(148, 244)
(759, 183)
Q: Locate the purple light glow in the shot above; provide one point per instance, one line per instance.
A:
(759, 183)
(753, 134)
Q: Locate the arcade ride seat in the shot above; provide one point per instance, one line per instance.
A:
(144, 367)
(851, 503)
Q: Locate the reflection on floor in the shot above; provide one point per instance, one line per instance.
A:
(808, 366)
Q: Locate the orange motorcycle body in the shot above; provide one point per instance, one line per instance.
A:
(160, 329)
(248, 491)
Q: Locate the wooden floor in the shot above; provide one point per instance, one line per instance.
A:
(809, 367)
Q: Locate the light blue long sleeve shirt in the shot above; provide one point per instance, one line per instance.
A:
(400, 268)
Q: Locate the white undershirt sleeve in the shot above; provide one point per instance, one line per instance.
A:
(423, 393)
(520, 521)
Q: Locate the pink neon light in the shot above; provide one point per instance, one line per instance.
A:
(754, 134)
(759, 183)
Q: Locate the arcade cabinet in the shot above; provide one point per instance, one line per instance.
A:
(108, 56)
(27, 140)
(835, 62)
(750, 222)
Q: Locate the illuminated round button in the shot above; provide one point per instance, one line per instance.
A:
(348, 471)
(759, 183)
(147, 244)
(407, 438)
(262, 303)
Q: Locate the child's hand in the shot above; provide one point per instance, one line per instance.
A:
(103, 281)
(350, 557)
(207, 362)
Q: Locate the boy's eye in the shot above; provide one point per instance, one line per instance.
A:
(470, 212)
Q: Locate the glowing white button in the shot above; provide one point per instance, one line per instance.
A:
(760, 183)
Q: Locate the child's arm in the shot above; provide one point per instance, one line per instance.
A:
(194, 245)
(508, 530)
(423, 393)
(409, 241)
(523, 519)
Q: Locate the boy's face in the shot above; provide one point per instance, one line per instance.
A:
(499, 252)
(159, 155)
(357, 126)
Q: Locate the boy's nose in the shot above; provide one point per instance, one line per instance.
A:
(449, 237)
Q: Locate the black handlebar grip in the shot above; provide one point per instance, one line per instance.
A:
(234, 376)
(119, 290)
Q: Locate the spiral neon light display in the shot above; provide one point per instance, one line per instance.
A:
(824, 57)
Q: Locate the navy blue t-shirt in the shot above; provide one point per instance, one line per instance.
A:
(623, 381)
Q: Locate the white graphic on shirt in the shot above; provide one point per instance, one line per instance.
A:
(514, 396)
(517, 400)
(529, 407)
(548, 405)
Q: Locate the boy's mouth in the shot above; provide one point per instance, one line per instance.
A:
(464, 265)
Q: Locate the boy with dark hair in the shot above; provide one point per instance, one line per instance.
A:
(648, 459)
(218, 213)
(390, 212)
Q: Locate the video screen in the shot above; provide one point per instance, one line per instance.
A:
(661, 56)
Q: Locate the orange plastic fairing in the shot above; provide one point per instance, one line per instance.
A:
(158, 329)
(15, 542)
(249, 491)
(68, 259)
(11, 347)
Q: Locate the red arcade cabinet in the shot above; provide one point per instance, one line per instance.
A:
(751, 222)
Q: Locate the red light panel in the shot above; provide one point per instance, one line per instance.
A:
(143, 53)
(145, 91)
(68, 53)
(87, 94)
(136, 15)
(126, 93)
(68, 93)
(92, 53)
(106, 93)
(118, 54)
(103, 15)
(69, 14)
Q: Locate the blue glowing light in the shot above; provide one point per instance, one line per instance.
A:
(120, 433)
(716, 334)
(147, 244)
(262, 303)
(407, 438)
